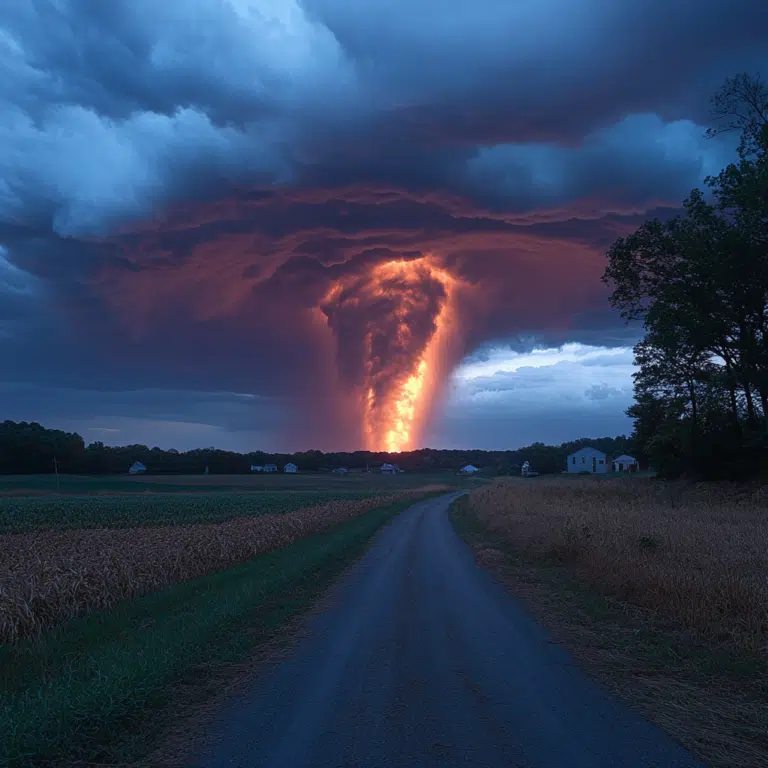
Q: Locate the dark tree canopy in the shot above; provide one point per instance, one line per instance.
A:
(699, 282)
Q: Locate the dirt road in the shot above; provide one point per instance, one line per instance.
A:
(419, 659)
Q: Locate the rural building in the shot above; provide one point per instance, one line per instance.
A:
(290, 468)
(257, 468)
(389, 469)
(625, 463)
(470, 469)
(340, 471)
(270, 468)
(588, 459)
(137, 468)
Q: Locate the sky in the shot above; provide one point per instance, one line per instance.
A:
(245, 223)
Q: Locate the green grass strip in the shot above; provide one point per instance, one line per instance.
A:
(85, 691)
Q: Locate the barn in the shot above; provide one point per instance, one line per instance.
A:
(290, 468)
(137, 468)
(588, 459)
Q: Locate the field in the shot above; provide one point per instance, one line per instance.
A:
(47, 577)
(115, 591)
(661, 589)
(27, 485)
(20, 514)
(101, 689)
(29, 503)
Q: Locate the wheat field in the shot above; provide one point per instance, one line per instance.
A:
(47, 577)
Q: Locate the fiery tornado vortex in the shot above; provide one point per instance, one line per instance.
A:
(390, 326)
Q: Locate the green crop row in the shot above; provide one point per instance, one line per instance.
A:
(23, 514)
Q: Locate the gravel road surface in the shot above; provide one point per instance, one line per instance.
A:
(419, 659)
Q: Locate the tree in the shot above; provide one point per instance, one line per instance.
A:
(741, 192)
(699, 282)
(29, 447)
(741, 105)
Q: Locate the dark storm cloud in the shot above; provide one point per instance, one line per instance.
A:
(182, 182)
(538, 70)
(114, 107)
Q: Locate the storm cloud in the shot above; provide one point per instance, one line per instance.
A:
(183, 183)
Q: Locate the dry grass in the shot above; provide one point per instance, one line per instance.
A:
(695, 554)
(48, 577)
(660, 590)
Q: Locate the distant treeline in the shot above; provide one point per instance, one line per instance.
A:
(699, 283)
(29, 448)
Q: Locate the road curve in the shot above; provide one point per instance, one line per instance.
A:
(420, 659)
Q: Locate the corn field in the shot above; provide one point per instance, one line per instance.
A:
(695, 554)
(47, 577)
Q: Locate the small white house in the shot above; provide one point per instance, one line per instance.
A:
(257, 468)
(625, 463)
(270, 468)
(137, 468)
(389, 469)
(340, 471)
(588, 459)
(290, 468)
(470, 469)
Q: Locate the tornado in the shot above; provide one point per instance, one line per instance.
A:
(391, 325)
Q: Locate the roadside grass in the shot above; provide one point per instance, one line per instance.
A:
(101, 689)
(711, 696)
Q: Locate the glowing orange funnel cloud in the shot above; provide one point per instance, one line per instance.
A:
(390, 325)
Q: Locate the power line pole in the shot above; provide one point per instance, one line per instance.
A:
(56, 469)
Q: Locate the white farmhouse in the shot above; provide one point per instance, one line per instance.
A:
(137, 468)
(625, 463)
(470, 469)
(389, 469)
(290, 468)
(588, 459)
(257, 468)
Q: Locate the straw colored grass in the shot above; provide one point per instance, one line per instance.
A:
(659, 590)
(694, 554)
(48, 577)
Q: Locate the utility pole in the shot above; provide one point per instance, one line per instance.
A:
(56, 469)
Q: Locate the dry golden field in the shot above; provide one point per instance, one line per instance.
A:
(696, 554)
(660, 590)
(47, 577)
